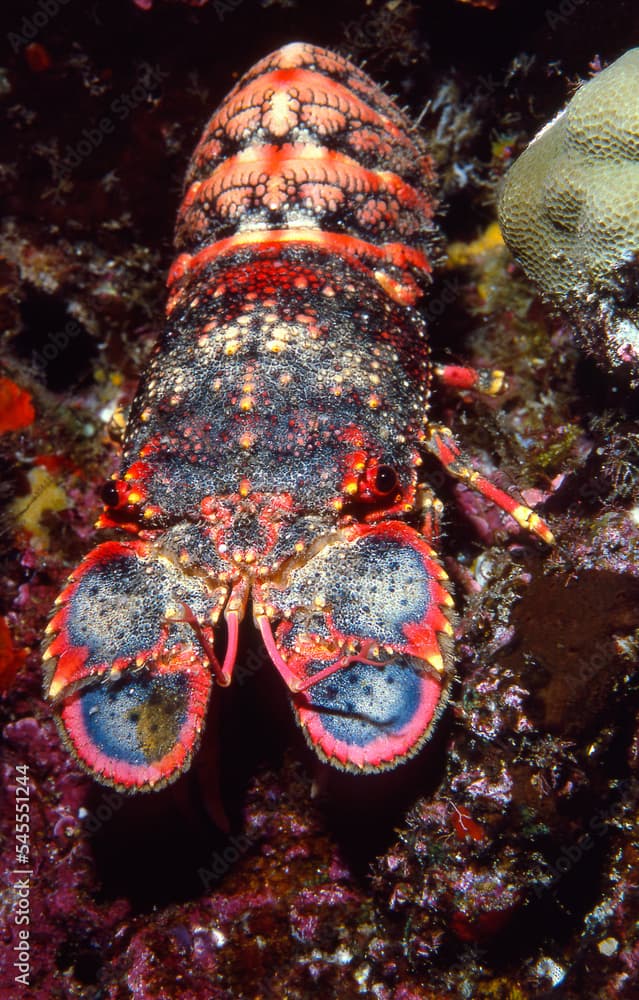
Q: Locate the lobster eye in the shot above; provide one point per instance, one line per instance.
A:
(110, 494)
(385, 480)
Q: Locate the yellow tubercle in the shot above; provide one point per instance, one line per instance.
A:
(55, 688)
(435, 661)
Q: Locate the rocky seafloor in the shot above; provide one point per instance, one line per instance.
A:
(503, 861)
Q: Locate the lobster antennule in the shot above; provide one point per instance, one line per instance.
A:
(233, 615)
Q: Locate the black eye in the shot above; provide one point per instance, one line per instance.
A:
(110, 494)
(385, 479)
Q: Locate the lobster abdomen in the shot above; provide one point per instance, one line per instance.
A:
(305, 140)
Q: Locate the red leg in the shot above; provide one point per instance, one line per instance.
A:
(442, 444)
(488, 381)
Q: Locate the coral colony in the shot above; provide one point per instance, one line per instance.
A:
(569, 211)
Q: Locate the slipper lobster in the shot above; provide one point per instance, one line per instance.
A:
(273, 448)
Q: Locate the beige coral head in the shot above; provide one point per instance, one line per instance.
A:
(569, 208)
